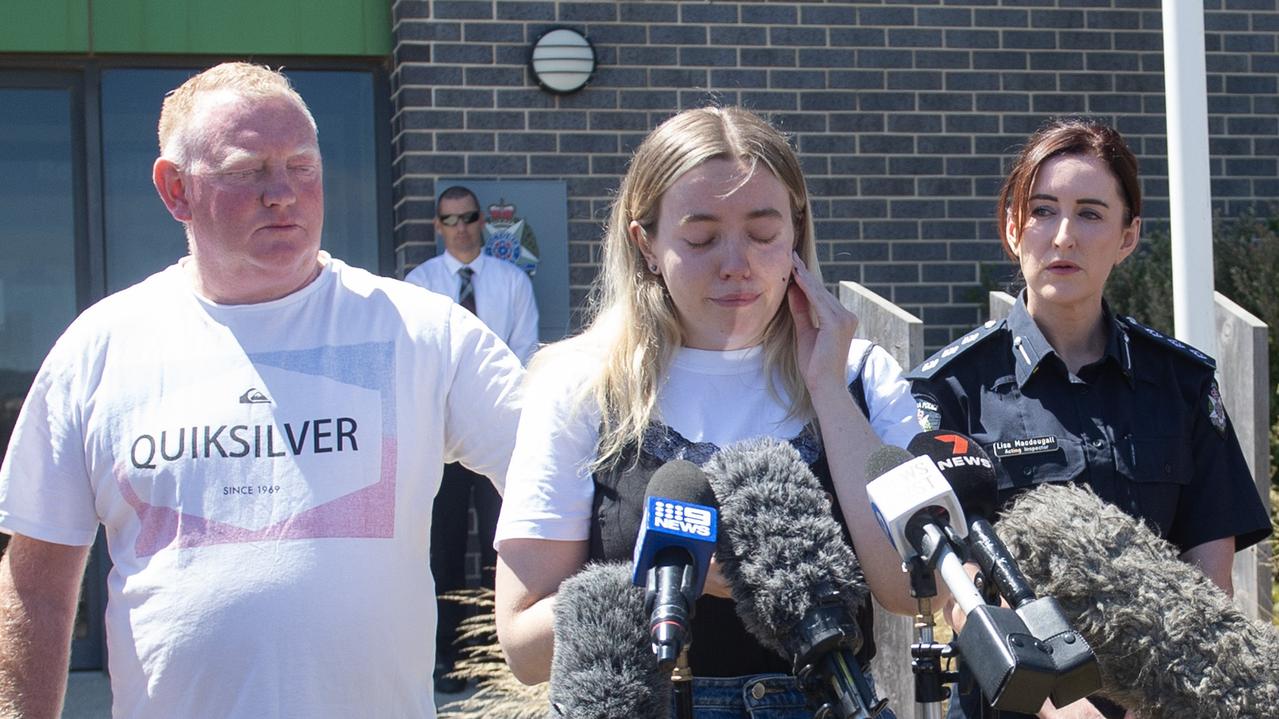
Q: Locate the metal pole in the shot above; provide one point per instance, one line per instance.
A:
(1189, 189)
(682, 686)
(924, 625)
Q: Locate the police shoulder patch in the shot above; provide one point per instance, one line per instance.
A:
(927, 413)
(1139, 330)
(1216, 409)
(946, 354)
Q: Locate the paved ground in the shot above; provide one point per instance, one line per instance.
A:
(89, 696)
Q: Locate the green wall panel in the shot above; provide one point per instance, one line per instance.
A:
(50, 26)
(230, 27)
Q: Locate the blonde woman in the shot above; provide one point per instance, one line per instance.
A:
(711, 326)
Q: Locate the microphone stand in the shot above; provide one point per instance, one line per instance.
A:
(1014, 669)
(926, 654)
(682, 686)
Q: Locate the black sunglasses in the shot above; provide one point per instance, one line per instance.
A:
(463, 217)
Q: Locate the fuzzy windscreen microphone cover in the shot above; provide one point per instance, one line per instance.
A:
(1169, 642)
(780, 548)
(603, 666)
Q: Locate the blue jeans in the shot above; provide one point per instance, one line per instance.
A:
(759, 696)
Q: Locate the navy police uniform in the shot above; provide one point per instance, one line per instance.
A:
(1144, 427)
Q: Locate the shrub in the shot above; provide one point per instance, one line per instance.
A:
(1245, 269)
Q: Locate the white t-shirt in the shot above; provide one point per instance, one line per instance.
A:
(265, 474)
(715, 397)
(503, 296)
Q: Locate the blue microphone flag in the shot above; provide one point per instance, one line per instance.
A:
(674, 523)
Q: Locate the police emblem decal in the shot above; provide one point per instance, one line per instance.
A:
(508, 237)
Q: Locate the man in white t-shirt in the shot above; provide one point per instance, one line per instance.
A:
(501, 295)
(260, 429)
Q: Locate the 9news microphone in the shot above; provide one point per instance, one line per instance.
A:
(971, 474)
(797, 585)
(603, 666)
(673, 552)
(1170, 643)
(923, 518)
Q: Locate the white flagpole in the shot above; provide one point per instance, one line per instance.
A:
(1189, 189)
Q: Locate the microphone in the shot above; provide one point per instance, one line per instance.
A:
(923, 518)
(1167, 639)
(673, 552)
(921, 515)
(969, 471)
(967, 468)
(603, 666)
(796, 583)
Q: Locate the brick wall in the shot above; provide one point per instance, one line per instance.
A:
(904, 113)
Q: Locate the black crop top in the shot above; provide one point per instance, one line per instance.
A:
(721, 645)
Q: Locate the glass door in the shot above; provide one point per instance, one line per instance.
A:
(141, 237)
(44, 262)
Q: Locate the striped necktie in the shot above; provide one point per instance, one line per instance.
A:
(466, 290)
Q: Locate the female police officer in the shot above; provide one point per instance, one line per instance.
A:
(1065, 390)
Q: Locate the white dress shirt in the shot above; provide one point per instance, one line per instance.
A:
(503, 296)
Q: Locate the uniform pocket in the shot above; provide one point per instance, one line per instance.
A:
(1160, 467)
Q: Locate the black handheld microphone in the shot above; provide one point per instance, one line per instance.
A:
(1168, 640)
(603, 666)
(970, 472)
(797, 585)
(673, 553)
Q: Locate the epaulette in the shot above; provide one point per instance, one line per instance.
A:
(1164, 340)
(942, 357)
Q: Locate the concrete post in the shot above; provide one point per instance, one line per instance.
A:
(902, 334)
(1001, 305)
(1242, 372)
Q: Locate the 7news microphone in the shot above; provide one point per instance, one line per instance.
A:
(971, 474)
(797, 586)
(1014, 665)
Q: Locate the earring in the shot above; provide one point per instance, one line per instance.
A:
(652, 268)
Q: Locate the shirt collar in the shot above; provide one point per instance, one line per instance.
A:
(1029, 345)
(1031, 348)
(1118, 345)
(454, 264)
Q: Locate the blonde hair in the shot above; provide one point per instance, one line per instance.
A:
(242, 78)
(633, 324)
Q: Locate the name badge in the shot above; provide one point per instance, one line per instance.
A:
(1029, 445)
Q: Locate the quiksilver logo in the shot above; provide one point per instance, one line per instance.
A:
(312, 436)
(253, 395)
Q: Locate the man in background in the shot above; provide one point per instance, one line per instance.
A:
(501, 295)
